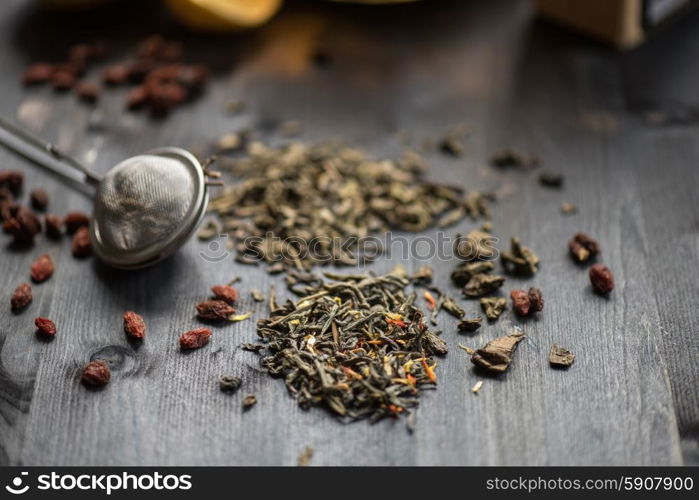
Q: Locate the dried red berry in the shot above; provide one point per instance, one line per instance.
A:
(39, 199)
(225, 292)
(75, 220)
(134, 326)
(116, 74)
(96, 374)
(87, 91)
(520, 302)
(12, 180)
(582, 247)
(194, 339)
(45, 327)
(24, 226)
(53, 225)
(536, 299)
(601, 278)
(63, 79)
(81, 246)
(214, 310)
(164, 97)
(42, 268)
(37, 73)
(137, 97)
(21, 297)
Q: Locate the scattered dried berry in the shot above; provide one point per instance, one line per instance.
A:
(21, 297)
(583, 248)
(214, 310)
(63, 79)
(37, 73)
(42, 268)
(469, 325)
(249, 401)
(53, 226)
(225, 292)
(229, 383)
(137, 97)
(560, 357)
(601, 278)
(526, 302)
(520, 302)
(493, 307)
(194, 339)
(81, 246)
(12, 180)
(45, 327)
(134, 325)
(520, 259)
(87, 91)
(23, 225)
(116, 74)
(496, 355)
(536, 299)
(96, 374)
(39, 199)
(75, 220)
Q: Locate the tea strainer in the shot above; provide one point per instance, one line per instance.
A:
(145, 207)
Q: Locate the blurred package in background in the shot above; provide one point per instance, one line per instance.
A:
(622, 23)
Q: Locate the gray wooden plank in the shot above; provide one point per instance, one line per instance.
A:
(522, 85)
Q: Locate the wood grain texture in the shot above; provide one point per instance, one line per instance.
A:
(631, 396)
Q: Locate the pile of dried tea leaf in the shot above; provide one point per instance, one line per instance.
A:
(356, 345)
(308, 204)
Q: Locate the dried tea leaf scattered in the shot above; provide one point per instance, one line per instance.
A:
(493, 307)
(476, 245)
(423, 276)
(509, 158)
(496, 356)
(253, 347)
(301, 205)
(568, 208)
(249, 401)
(96, 374)
(464, 272)
(477, 387)
(134, 325)
(551, 179)
(482, 284)
(194, 339)
(469, 325)
(356, 345)
(229, 383)
(520, 259)
(305, 457)
(42, 268)
(21, 297)
(466, 349)
(45, 328)
(560, 357)
(240, 317)
(257, 296)
(601, 278)
(583, 248)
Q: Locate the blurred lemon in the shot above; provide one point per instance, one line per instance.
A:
(223, 15)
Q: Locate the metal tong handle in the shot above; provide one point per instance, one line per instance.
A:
(44, 154)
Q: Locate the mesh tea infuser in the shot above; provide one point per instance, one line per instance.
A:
(145, 207)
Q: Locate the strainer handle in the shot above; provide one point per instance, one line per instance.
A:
(44, 153)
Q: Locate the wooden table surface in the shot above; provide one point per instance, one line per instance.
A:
(622, 128)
